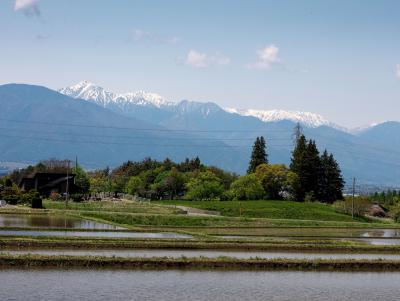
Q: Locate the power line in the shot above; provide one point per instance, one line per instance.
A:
(142, 137)
(132, 144)
(139, 129)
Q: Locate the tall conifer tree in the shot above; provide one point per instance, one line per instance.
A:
(259, 155)
(331, 182)
(298, 166)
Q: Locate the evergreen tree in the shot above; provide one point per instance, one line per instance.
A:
(297, 165)
(312, 168)
(258, 155)
(305, 162)
(330, 181)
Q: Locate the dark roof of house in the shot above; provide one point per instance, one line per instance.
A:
(56, 175)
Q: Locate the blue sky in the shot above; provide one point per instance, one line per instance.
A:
(340, 59)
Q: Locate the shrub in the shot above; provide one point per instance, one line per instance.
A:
(54, 196)
(32, 198)
(11, 194)
(361, 206)
(77, 197)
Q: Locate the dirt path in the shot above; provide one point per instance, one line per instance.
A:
(198, 212)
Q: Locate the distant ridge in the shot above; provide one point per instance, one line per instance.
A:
(89, 91)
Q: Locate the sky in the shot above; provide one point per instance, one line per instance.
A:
(340, 59)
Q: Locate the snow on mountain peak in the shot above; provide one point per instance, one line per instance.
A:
(126, 101)
(305, 118)
(89, 91)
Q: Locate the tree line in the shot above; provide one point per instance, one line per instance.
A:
(311, 176)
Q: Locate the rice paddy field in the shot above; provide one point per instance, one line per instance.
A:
(82, 232)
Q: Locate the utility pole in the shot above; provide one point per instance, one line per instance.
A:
(352, 199)
(297, 132)
(67, 186)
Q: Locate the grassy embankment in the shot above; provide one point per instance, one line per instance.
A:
(112, 206)
(29, 260)
(248, 214)
(319, 245)
(255, 214)
(156, 217)
(270, 209)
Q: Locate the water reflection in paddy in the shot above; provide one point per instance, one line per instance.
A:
(109, 234)
(51, 221)
(107, 285)
(204, 253)
(305, 232)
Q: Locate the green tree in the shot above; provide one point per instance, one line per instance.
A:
(247, 187)
(135, 186)
(331, 182)
(99, 182)
(81, 179)
(169, 184)
(258, 155)
(226, 177)
(297, 166)
(204, 186)
(276, 179)
(306, 163)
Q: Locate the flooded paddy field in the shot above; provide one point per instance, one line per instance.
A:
(304, 232)
(51, 221)
(83, 284)
(142, 253)
(99, 234)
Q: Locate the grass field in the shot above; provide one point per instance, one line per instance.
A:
(270, 209)
(112, 206)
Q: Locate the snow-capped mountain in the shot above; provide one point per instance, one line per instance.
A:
(220, 137)
(89, 91)
(129, 103)
(305, 118)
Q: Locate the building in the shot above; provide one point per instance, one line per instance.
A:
(46, 183)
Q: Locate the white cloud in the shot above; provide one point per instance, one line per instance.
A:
(266, 58)
(196, 59)
(200, 60)
(398, 71)
(140, 35)
(29, 7)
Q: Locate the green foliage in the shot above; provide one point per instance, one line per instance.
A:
(204, 186)
(277, 180)
(227, 178)
(169, 184)
(389, 197)
(271, 209)
(135, 186)
(247, 187)
(11, 194)
(81, 179)
(32, 198)
(14, 196)
(361, 205)
(330, 184)
(258, 155)
(317, 175)
(99, 182)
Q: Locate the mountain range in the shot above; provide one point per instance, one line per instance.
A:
(105, 128)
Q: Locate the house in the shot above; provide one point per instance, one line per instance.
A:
(46, 183)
